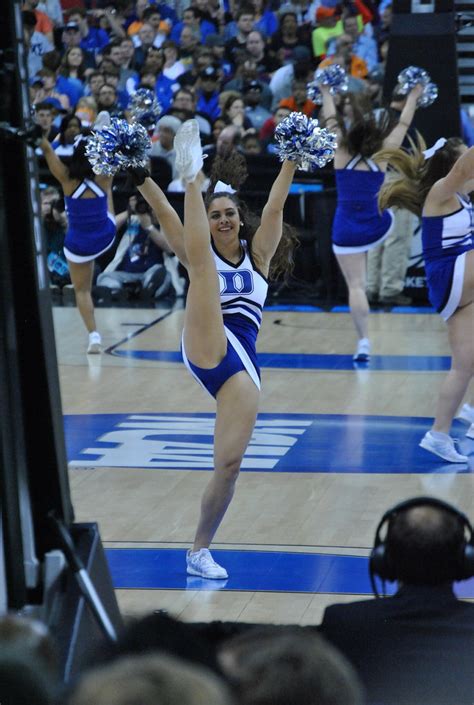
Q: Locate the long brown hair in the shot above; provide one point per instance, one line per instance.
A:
(232, 170)
(416, 175)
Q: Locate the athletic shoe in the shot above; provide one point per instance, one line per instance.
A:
(362, 354)
(187, 145)
(444, 447)
(202, 563)
(95, 346)
(470, 431)
(466, 412)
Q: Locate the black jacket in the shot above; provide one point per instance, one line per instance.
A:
(415, 648)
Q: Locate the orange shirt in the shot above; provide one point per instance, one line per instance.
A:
(358, 66)
(137, 25)
(308, 108)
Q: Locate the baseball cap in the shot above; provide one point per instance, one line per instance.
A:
(54, 102)
(252, 86)
(71, 26)
(323, 13)
(209, 74)
(35, 80)
(300, 53)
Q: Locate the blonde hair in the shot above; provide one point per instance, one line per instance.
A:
(411, 176)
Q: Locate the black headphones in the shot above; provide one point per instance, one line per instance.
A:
(379, 561)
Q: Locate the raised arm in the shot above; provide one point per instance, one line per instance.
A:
(330, 111)
(170, 224)
(58, 169)
(458, 180)
(269, 232)
(397, 135)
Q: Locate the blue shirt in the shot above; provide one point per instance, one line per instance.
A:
(95, 40)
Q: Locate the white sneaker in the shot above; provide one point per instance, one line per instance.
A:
(95, 343)
(202, 563)
(470, 431)
(466, 412)
(362, 354)
(444, 447)
(187, 145)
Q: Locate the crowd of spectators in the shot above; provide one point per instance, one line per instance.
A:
(238, 67)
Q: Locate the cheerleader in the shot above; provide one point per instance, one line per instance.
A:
(435, 184)
(358, 225)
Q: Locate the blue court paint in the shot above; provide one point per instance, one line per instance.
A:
(259, 571)
(280, 443)
(302, 361)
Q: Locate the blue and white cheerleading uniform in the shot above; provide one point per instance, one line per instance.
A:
(243, 290)
(358, 225)
(91, 228)
(446, 239)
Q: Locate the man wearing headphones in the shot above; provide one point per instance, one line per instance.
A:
(416, 647)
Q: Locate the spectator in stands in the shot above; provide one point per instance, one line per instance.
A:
(257, 50)
(432, 184)
(184, 102)
(362, 46)
(57, 86)
(166, 129)
(36, 43)
(188, 43)
(244, 22)
(143, 40)
(71, 37)
(267, 130)
(139, 255)
(172, 67)
(112, 78)
(358, 224)
(54, 221)
(86, 110)
(94, 83)
(328, 25)
(111, 20)
(91, 229)
(43, 22)
(73, 68)
(107, 100)
(202, 58)
(207, 94)
(298, 101)
(199, 27)
(116, 51)
(70, 128)
(134, 20)
(266, 21)
(423, 631)
(216, 44)
(256, 113)
(128, 54)
(233, 112)
(93, 39)
(154, 679)
(281, 665)
(54, 11)
(227, 141)
(151, 16)
(245, 72)
(282, 80)
(44, 116)
(250, 144)
(287, 37)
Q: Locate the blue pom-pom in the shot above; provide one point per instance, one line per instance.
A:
(429, 95)
(145, 108)
(118, 146)
(301, 140)
(333, 76)
(410, 77)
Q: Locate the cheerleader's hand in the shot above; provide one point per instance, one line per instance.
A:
(138, 174)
